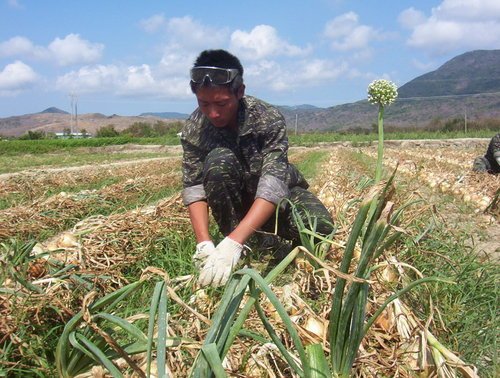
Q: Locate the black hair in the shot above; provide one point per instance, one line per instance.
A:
(219, 58)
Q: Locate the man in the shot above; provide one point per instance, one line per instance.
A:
(235, 162)
(490, 162)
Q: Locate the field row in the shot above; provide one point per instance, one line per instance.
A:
(119, 221)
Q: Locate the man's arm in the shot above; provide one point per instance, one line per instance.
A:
(260, 211)
(198, 214)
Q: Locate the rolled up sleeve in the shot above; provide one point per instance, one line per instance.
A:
(193, 194)
(273, 185)
(192, 173)
(272, 189)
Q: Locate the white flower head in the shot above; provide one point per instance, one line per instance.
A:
(382, 92)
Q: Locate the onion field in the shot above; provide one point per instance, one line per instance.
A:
(72, 237)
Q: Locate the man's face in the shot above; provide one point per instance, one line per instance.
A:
(220, 105)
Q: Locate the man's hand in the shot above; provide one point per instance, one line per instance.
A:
(203, 250)
(220, 263)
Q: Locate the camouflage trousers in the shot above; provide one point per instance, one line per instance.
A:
(230, 192)
(483, 164)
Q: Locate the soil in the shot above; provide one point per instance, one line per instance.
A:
(488, 245)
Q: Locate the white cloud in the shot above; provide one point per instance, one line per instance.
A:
(69, 50)
(303, 73)
(73, 49)
(459, 24)
(346, 33)
(189, 33)
(411, 18)
(176, 61)
(16, 77)
(88, 79)
(123, 81)
(261, 42)
(14, 4)
(16, 46)
(153, 23)
(22, 46)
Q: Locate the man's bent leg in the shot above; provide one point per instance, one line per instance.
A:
(223, 183)
(481, 164)
(308, 207)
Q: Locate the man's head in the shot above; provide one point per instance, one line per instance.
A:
(217, 82)
(216, 68)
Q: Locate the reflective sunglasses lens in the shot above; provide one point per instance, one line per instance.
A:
(217, 76)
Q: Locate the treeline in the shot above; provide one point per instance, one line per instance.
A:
(136, 130)
(435, 125)
(142, 130)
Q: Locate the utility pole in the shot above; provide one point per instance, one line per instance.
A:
(74, 112)
(296, 116)
(465, 119)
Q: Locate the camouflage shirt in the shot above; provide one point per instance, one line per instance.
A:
(493, 152)
(261, 145)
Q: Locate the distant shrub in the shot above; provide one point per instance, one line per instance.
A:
(108, 131)
(33, 135)
(158, 129)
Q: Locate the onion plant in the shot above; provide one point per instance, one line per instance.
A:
(95, 336)
(382, 93)
(347, 326)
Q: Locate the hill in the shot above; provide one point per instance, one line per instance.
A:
(470, 73)
(166, 115)
(53, 110)
(467, 84)
(59, 121)
(415, 112)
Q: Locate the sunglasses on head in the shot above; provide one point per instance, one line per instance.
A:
(216, 75)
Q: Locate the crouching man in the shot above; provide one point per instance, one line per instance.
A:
(490, 162)
(235, 162)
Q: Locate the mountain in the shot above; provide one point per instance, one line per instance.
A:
(52, 120)
(467, 84)
(470, 73)
(168, 115)
(53, 110)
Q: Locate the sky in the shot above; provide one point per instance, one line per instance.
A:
(127, 57)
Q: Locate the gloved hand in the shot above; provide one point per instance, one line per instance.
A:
(220, 263)
(203, 250)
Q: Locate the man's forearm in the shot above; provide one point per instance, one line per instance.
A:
(258, 214)
(198, 214)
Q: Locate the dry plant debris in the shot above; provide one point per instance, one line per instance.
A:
(397, 345)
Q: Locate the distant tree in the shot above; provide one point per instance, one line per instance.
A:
(85, 133)
(67, 131)
(161, 128)
(33, 135)
(107, 132)
(139, 130)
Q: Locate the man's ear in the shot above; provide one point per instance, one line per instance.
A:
(241, 92)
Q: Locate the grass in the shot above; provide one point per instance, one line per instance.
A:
(313, 138)
(63, 159)
(311, 162)
(15, 147)
(468, 309)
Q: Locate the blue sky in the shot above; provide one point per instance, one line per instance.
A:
(127, 57)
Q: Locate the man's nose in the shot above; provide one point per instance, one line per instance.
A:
(212, 112)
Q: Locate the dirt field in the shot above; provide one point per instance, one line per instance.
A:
(104, 216)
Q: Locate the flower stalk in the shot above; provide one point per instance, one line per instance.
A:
(382, 93)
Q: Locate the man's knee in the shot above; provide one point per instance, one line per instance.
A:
(311, 207)
(481, 164)
(220, 164)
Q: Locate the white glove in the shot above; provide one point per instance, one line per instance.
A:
(203, 250)
(220, 263)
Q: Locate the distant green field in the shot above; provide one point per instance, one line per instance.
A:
(16, 147)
